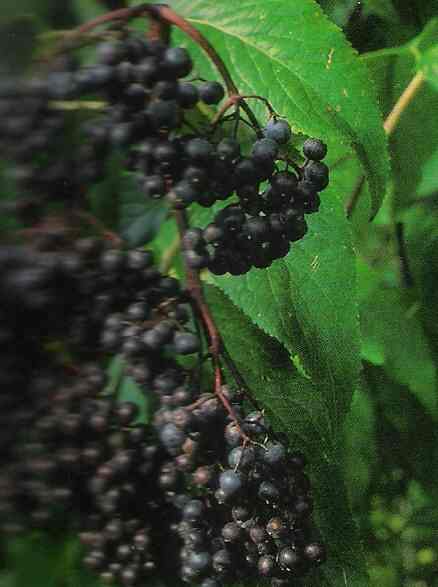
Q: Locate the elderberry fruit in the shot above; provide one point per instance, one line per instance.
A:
(278, 131)
(314, 149)
(211, 92)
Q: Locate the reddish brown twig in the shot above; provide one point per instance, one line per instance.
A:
(164, 14)
(216, 347)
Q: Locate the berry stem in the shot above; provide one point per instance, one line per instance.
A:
(238, 378)
(403, 102)
(195, 291)
(161, 13)
(238, 101)
(194, 288)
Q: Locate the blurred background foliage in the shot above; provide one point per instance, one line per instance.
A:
(391, 433)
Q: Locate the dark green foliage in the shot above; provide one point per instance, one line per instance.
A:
(109, 427)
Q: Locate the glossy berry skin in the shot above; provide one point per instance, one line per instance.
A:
(214, 492)
(314, 149)
(230, 482)
(185, 343)
(264, 150)
(278, 131)
(177, 62)
(317, 174)
(315, 552)
(211, 92)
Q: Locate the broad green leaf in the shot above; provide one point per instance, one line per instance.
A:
(88, 9)
(307, 301)
(410, 147)
(293, 55)
(7, 580)
(361, 448)
(298, 408)
(421, 231)
(405, 427)
(393, 336)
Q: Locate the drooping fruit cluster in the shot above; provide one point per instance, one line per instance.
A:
(145, 116)
(249, 508)
(204, 490)
(208, 492)
(260, 227)
(209, 479)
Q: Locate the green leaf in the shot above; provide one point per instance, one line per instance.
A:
(393, 336)
(405, 427)
(307, 301)
(298, 408)
(293, 55)
(361, 447)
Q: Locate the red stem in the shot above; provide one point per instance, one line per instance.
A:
(167, 15)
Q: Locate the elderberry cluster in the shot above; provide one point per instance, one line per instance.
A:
(268, 217)
(204, 490)
(144, 116)
(143, 101)
(243, 499)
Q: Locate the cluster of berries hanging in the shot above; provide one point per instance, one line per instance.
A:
(205, 491)
(144, 116)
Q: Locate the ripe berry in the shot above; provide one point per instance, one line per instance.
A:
(264, 150)
(278, 131)
(231, 532)
(222, 561)
(314, 149)
(154, 186)
(289, 559)
(199, 150)
(193, 510)
(266, 565)
(315, 552)
(185, 343)
(230, 482)
(188, 95)
(275, 454)
(177, 62)
(211, 92)
(228, 149)
(317, 174)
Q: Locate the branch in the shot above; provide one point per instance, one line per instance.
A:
(163, 13)
(403, 102)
